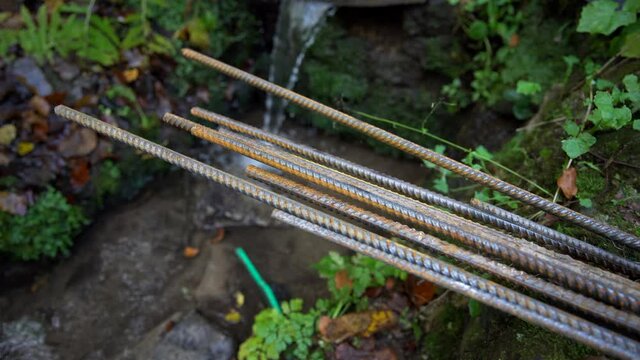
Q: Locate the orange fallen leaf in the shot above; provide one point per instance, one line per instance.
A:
(130, 75)
(169, 326)
(219, 236)
(514, 40)
(190, 252)
(420, 291)
(364, 323)
(79, 172)
(567, 183)
(342, 279)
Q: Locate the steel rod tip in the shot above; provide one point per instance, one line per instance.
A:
(178, 121)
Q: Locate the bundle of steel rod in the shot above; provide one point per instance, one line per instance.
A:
(572, 287)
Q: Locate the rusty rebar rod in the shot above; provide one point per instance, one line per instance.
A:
(516, 225)
(578, 276)
(444, 275)
(421, 152)
(557, 293)
(441, 273)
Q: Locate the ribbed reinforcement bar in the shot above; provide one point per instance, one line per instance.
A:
(513, 224)
(437, 271)
(578, 276)
(551, 291)
(421, 152)
(430, 269)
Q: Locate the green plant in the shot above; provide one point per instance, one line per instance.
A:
(274, 334)
(44, 36)
(46, 230)
(612, 110)
(291, 334)
(107, 182)
(605, 17)
(360, 272)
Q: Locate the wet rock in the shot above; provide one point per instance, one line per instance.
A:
(24, 340)
(66, 70)
(195, 338)
(184, 337)
(30, 73)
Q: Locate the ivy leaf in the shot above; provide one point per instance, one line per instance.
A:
(571, 128)
(478, 30)
(602, 17)
(578, 145)
(528, 87)
(586, 203)
(630, 82)
(636, 125)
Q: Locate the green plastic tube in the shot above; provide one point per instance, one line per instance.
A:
(255, 275)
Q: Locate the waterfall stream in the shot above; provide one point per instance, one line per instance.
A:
(299, 22)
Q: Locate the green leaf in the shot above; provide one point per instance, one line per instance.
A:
(441, 184)
(586, 203)
(528, 87)
(571, 128)
(576, 146)
(475, 308)
(631, 6)
(478, 30)
(631, 46)
(602, 17)
(636, 125)
(630, 82)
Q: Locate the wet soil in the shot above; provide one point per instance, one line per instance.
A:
(127, 273)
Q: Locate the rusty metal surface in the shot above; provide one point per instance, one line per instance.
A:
(491, 215)
(600, 285)
(473, 286)
(421, 152)
(577, 276)
(521, 278)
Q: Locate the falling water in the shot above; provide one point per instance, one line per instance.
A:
(299, 21)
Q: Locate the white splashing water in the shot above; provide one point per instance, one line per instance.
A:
(299, 22)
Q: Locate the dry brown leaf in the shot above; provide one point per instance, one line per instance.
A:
(40, 105)
(514, 40)
(342, 279)
(567, 183)
(13, 203)
(190, 252)
(79, 172)
(79, 142)
(364, 324)
(218, 237)
(130, 75)
(420, 291)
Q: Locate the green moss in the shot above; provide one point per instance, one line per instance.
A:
(441, 343)
(590, 183)
(499, 336)
(46, 230)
